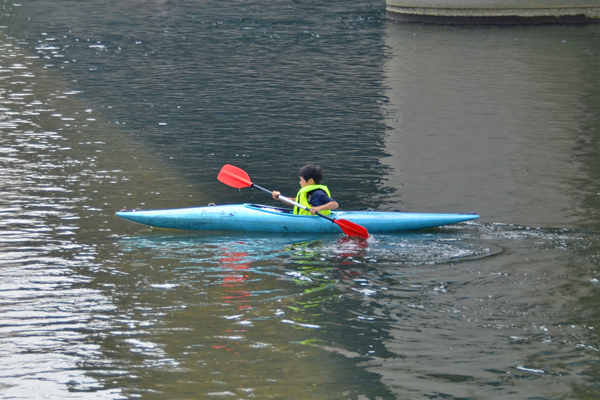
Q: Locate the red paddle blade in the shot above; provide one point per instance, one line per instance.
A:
(352, 229)
(234, 177)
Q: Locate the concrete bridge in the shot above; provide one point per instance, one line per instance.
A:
(494, 11)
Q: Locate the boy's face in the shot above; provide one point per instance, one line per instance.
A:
(303, 183)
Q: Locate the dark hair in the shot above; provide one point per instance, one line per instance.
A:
(311, 171)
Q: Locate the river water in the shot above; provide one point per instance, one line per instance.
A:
(107, 105)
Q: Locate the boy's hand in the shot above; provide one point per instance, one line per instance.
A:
(276, 194)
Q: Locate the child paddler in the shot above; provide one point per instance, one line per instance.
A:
(312, 194)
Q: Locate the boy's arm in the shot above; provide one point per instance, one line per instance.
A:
(320, 202)
(332, 205)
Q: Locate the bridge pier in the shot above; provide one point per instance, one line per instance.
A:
(494, 12)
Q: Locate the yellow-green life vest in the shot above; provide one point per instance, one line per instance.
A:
(302, 198)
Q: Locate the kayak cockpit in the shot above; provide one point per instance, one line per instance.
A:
(269, 209)
(272, 209)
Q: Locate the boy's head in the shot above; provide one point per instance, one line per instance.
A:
(311, 171)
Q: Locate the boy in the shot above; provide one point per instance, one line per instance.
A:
(312, 194)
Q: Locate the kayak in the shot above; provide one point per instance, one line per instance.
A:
(262, 218)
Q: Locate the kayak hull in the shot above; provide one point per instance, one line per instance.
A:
(260, 218)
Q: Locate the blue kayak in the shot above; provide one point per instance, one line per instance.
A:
(261, 218)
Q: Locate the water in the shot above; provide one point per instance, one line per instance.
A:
(138, 104)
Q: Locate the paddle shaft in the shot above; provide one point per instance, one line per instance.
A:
(291, 202)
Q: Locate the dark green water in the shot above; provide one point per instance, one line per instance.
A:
(138, 104)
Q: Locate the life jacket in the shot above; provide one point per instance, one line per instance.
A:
(302, 198)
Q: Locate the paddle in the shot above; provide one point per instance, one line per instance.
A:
(238, 178)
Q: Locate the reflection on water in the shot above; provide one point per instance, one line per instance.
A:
(439, 298)
(46, 302)
(108, 105)
(511, 112)
(494, 324)
(255, 300)
(55, 183)
(266, 86)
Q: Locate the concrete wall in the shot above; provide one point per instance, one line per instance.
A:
(518, 11)
(495, 4)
